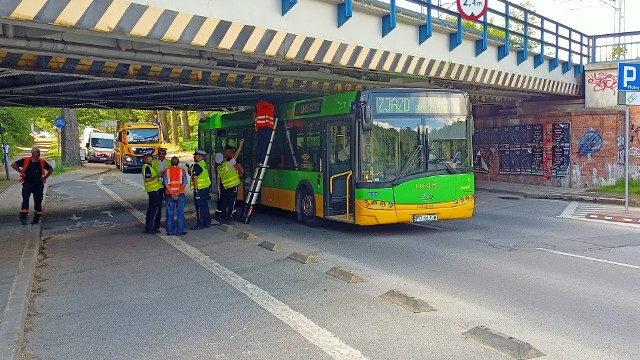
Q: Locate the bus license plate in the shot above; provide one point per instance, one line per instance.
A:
(423, 218)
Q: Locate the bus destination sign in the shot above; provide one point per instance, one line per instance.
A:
(308, 107)
(420, 105)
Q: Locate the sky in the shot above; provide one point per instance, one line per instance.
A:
(592, 17)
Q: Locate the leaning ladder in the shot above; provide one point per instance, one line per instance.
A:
(256, 180)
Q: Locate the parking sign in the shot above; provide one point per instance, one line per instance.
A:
(628, 77)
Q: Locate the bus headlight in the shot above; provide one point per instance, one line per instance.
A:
(374, 203)
(455, 201)
(390, 205)
(382, 203)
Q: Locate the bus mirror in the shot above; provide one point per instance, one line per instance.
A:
(366, 118)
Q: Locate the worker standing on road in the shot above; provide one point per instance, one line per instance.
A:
(160, 164)
(200, 184)
(34, 172)
(264, 119)
(152, 183)
(230, 180)
(175, 180)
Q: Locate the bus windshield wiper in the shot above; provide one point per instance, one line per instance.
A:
(442, 160)
(412, 156)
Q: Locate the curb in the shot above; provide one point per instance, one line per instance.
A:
(557, 196)
(15, 312)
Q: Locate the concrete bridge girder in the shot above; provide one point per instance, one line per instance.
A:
(285, 55)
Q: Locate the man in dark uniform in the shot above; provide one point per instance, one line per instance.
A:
(200, 184)
(33, 175)
(152, 183)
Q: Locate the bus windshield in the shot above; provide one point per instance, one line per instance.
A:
(143, 136)
(404, 144)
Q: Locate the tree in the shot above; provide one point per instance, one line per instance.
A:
(163, 124)
(174, 127)
(186, 131)
(69, 136)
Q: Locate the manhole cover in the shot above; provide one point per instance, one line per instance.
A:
(509, 197)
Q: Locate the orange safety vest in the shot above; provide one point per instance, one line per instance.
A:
(174, 177)
(265, 115)
(26, 163)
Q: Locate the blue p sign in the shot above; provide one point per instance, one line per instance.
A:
(628, 77)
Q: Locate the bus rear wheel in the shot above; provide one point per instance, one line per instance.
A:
(308, 208)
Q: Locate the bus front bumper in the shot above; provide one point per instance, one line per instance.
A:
(366, 214)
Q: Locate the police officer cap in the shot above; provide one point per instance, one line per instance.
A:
(200, 152)
(162, 151)
(148, 153)
(219, 158)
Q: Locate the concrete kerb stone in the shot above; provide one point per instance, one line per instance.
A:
(505, 344)
(408, 302)
(226, 228)
(345, 275)
(15, 312)
(246, 235)
(268, 245)
(302, 258)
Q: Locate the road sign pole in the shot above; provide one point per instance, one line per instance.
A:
(626, 159)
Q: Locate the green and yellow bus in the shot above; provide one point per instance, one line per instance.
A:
(369, 157)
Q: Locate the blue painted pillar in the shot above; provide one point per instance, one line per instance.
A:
(389, 21)
(524, 53)
(287, 5)
(553, 63)
(425, 31)
(539, 59)
(503, 50)
(481, 44)
(455, 38)
(345, 11)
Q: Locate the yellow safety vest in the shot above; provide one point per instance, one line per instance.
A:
(155, 163)
(204, 181)
(228, 177)
(154, 185)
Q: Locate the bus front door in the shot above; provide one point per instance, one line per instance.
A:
(339, 190)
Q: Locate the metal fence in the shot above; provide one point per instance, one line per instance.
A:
(615, 47)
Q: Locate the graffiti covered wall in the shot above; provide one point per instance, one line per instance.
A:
(601, 83)
(569, 149)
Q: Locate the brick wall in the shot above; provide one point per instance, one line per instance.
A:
(594, 155)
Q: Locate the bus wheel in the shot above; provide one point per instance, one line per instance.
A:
(308, 208)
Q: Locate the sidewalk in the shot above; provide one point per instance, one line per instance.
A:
(548, 192)
(19, 246)
(612, 209)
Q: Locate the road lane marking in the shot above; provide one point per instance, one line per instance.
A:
(320, 337)
(589, 258)
(570, 210)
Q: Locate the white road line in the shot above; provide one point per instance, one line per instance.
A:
(320, 337)
(589, 258)
(570, 210)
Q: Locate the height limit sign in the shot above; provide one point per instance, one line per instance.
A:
(472, 9)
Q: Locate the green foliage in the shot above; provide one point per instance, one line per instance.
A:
(618, 187)
(17, 130)
(618, 52)
(189, 145)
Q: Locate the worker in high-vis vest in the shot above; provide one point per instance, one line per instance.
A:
(201, 184)
(229, 179)
(34, 172)
(264, 119)
(160, 164)
(175, 182)
(152, 183)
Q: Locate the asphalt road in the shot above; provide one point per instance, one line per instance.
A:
(569, 288)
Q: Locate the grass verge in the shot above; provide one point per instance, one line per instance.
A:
(618, 187)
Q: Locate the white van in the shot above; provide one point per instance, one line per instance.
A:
(99, 147)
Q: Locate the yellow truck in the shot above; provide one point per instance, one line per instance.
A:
(132, 141)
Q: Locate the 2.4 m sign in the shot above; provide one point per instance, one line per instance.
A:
(472, 9)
